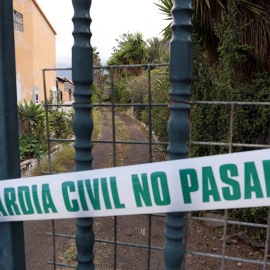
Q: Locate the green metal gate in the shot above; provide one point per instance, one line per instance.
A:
(11, 244)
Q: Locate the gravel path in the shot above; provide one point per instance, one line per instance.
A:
(132, 229)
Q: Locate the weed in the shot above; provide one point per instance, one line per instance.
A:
(58, 162)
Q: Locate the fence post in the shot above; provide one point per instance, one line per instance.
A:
(82, 75)
(12, 239)
(181, 58)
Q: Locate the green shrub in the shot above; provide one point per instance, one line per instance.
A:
(96, 94)
(138, 92)
(31, 115)
(252, 215)
(60, 124)
(121, 93)
(32, 140)
(159, 115)
(31, 146)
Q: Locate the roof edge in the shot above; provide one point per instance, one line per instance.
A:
(44, 16)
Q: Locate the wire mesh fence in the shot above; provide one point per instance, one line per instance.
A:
(136, 242)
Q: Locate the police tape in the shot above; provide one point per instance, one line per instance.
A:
(216, 182)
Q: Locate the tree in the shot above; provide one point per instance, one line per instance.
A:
(131, 49)
(156, 49)
(207, 14)
(98, 74)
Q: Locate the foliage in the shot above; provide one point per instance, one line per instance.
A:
(30, 146)
(121, 93)
(252, 215)
(156, 50)
(60, 124)
(138, 88)
(32, 140)
(211, 123)
(59, 161)
(31, 115)
(131, 49)
(138, 92)
(96, 94)
(60, 120)
(99, 77)
(226, 80)
(207, 14)
(159, 115)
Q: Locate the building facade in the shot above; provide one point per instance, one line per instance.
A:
(34, 50)
(65, 89)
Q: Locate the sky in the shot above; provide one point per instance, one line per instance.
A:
(110, 19)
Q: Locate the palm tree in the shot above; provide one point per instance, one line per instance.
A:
(156, 49)
(208, 13)
(131, 49)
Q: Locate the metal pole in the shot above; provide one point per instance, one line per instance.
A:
(82, 75)
(12, 239)
(181, 58)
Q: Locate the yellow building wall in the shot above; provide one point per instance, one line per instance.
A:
(34, 50)
(65, 96)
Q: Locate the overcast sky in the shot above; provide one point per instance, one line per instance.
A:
(110, 19)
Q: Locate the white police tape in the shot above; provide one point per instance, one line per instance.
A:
(215, 182)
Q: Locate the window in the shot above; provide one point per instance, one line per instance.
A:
(36, 96)
(18, 20)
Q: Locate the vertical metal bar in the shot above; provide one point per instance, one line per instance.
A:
(49, 156)
(54, 249)
(231, 128)
(47, 122)
(267, 241)
(150, 112)
(149, 241)
(150, 160)
(12, 237)
(113, 118)
(181, 58)
(115, 243)
(189, 142)
(114, 162)
(224, 240)
(82, 75)
(226, 211)
(185, 238)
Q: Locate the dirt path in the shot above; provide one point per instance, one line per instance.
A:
(131, 229)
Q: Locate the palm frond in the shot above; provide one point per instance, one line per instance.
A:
(208, 13)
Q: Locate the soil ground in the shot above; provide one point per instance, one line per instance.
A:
(41, 249)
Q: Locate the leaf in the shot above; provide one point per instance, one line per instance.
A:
(207, 3)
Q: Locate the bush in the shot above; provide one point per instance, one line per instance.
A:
(96, 94)
(159, 115)
(121, 93)
(31, 146)
(31, 115)
(252, 215)
(60, 124)
(32, 141)
(138, 91)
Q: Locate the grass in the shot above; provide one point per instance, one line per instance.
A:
(98, 124)
(121, 134)
(70, 254)
(122, 150)
(58, 162)
(65, 154)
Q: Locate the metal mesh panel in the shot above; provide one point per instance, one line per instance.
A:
(150, 250)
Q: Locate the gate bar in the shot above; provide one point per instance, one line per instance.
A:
(12, 239)
(82, 76)
(181, 58)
